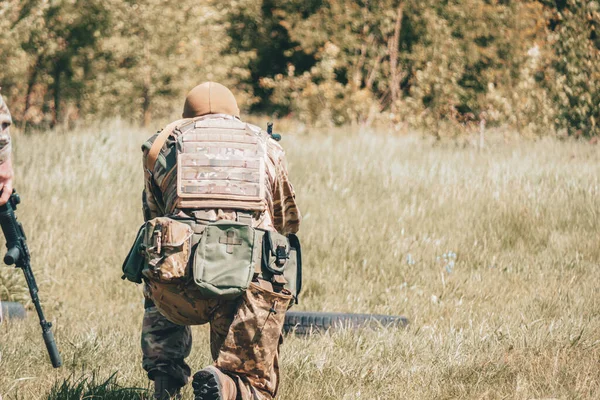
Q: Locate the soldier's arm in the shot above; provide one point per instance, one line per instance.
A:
(287, 215)
(6, 170)
(5, 145)
(150, 205)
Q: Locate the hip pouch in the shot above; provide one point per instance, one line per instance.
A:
(167, 247)
(134, 262)
(225, 259)
(282, 262)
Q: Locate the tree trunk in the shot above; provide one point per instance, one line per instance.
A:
(146, 113)
(395, 75)
(56, 93)
(146, 91)
(30, 84)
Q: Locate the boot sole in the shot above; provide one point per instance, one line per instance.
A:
(206, 386)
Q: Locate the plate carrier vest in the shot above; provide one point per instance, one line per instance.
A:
(221, 163)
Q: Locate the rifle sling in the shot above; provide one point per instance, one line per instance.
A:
(159, 142)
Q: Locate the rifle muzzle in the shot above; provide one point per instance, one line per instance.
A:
(52, 349)
(12, 255)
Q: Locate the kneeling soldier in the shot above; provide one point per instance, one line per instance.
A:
(218, 248)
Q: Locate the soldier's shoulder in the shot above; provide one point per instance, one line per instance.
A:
(272, 143)
(182, 125)
(148, 143)
(255, 129)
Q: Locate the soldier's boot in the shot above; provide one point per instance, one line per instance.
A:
(166, 388)
(211, 384)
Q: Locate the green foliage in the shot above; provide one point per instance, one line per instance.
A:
(351, 47)
(418, 64)
(156, 53)
(531, 65)
(70, 59)
(58, 43)
(577, 68)
(260, 29)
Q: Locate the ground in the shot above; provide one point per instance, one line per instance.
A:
(492, 254)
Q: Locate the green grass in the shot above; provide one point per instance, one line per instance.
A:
(516, 316)
(92, 388)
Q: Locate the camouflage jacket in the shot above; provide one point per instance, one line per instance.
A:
(5, 122)
(160, 188)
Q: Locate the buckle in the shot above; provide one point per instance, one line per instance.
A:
(281, 256)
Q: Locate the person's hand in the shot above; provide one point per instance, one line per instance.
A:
(6, 181)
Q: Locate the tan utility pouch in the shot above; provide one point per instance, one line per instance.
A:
(167, 248)
(225, 259)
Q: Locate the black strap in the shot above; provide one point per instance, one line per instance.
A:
(295, 243)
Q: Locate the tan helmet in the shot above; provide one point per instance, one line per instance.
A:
(210, 98)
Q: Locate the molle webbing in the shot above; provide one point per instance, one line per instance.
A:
(221, 164)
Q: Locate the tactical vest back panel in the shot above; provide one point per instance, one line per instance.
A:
(221, 164)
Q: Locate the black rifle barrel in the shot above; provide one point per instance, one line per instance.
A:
(18, 255)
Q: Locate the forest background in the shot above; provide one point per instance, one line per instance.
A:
(437, 66)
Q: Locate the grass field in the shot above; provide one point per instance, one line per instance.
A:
(493, 256)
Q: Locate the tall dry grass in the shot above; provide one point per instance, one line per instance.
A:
(493, 256)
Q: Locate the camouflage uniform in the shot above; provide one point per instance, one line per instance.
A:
(5, 145)
(245, 333)
(5, 122)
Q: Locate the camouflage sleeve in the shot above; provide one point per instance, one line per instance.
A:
(286, 214)
(5, 147)
(150, 204)
(5, 122)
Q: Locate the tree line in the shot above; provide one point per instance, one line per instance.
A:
(441, 66)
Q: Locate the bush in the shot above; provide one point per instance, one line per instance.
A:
(533, 65)
(576, 68)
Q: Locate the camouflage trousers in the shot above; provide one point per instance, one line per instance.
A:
(245, 336)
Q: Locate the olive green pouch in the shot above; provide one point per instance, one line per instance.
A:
(134, 262)
(224, 261)
(276, 251)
